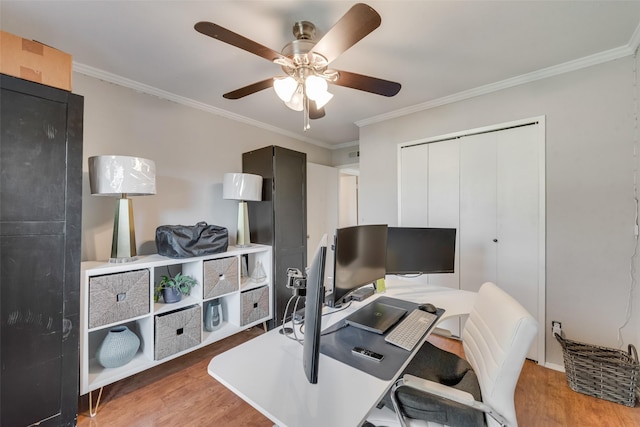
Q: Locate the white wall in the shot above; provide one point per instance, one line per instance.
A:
(345, 155)
(348, 191)
(590, 117)
(192, 150)
(322, 205)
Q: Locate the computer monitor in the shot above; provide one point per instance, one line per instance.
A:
(313, 312)
(413, 250)
(359, 259)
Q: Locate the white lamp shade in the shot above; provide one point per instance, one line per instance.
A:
(117, 175)
(242, 186)
(285, 87)
(315, 86)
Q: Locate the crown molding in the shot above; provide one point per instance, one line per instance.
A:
(587, 61)
(150, 90)
(345, 145)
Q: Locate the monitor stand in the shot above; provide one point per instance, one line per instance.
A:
(362, 293)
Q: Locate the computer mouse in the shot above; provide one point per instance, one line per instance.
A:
(428, 307)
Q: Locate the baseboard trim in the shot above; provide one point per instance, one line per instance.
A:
(554, 366)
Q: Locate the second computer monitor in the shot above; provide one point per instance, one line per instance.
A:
(415, 250)
(359, 259)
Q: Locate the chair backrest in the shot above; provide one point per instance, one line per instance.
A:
(496, 339)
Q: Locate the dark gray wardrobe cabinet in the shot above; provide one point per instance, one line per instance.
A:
(280, 219)
(40, 223)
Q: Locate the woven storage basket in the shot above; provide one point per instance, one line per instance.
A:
(220, 277)
(116, 297)
(255, 305)
(601, 372)
(177, 331)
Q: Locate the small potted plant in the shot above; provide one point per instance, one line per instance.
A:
(172, 288)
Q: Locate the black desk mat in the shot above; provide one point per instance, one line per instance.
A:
(338, 345)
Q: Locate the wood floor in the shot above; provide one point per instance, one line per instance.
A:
(181, 393)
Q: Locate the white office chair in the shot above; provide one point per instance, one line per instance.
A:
(495, 339)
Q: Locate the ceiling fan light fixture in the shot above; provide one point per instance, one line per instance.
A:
(315, 87)
(305, 61)
(285, 87)
(296, 102)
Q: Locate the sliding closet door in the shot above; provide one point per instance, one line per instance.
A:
(478, 211)
(489, 186)
(429, 182)
(443, 210)
(443, 205)
(429, 197)
(414, 186)
(518, 219)
(500, 214)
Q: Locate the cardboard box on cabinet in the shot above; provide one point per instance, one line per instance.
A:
(34, 61)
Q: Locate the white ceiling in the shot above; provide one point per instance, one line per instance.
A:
(438, 50)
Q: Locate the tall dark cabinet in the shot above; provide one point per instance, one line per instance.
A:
(40, 223)
(280, 219)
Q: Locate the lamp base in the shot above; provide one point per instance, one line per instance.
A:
(243, 238)
(122, 260)
(123, 244)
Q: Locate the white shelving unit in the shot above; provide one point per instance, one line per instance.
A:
(239, 289)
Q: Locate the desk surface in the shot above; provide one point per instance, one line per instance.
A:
(267, 371)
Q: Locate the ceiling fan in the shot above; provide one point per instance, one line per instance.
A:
(305, 62)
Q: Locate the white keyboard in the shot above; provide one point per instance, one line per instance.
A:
(411, 329)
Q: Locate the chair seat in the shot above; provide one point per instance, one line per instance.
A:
(446, 368)
(385, 417)
(495, 339)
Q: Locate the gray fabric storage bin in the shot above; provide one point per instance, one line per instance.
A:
(177, 331)
(220, 277)
(118, 296)
(255, 305)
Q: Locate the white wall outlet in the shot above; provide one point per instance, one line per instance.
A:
(556, 327)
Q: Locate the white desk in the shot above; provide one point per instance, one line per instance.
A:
(267, 371)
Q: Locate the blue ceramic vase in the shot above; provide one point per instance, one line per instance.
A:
(118, 348)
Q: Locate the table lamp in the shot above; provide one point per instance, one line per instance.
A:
(243, 187)
(122, 176)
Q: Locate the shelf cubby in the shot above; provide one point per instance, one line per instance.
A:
(228, 271)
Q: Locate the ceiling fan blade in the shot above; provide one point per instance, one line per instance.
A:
(314, 111)
(217, 32)
(359, 21)
(367, 84)
(250, 89)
